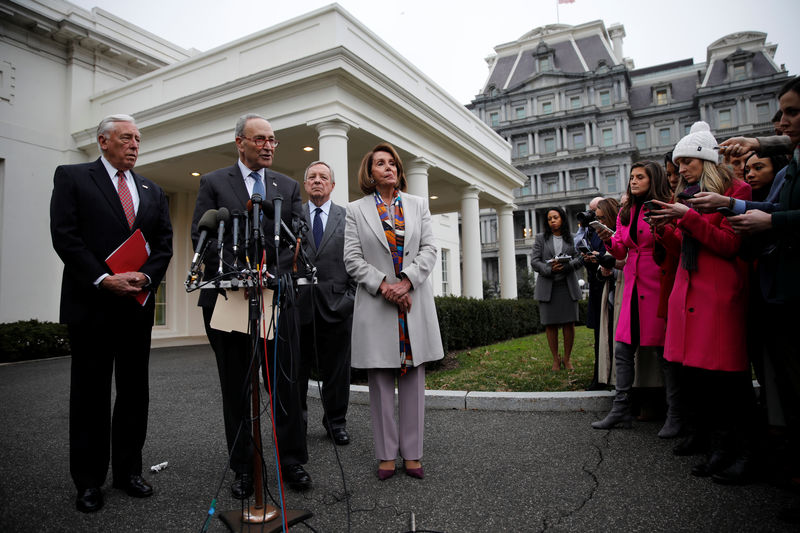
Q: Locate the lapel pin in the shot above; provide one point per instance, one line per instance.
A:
(145, 187)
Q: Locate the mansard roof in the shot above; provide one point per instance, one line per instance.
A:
(574, 49)
(761, 66)
(594, 51)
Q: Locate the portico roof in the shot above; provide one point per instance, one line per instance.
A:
(321, 67)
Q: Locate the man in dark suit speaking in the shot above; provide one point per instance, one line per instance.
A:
(232, 187)
(326, 309)
(95, 207)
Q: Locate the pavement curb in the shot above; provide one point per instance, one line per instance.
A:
(496, 401)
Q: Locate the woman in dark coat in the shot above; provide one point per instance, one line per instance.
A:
(556, 261)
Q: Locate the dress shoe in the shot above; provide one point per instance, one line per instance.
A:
(383, 475)
(339, 436)
(89, 500)
(418, 473)
(717, 462)
(297, 477)
(242, 486)
(741, 472)
(135, 486)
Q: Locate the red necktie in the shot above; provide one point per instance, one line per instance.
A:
(125, 198)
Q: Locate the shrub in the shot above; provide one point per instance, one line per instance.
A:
(31, 339)
(467, 322)
(526, 282)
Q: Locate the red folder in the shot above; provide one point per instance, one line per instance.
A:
(129, 257)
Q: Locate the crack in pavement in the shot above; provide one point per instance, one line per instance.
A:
(589, 467)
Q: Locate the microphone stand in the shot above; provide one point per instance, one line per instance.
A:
(255, 517)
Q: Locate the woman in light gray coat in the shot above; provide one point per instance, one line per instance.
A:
(389, 251)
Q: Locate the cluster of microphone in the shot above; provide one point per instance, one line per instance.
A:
(217, 221)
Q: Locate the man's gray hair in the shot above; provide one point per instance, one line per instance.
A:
(106, 125)
(240, 124)
(305, 174)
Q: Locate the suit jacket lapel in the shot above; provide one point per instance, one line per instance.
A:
(100, 177)
(144, 198)
(410, 217)
(335, 218)
(370, 213)
(237, 184)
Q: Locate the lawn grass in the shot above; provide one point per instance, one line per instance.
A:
(518, 365)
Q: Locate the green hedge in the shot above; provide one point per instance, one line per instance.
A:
(31, 339)
(464, 323)
(467, 322)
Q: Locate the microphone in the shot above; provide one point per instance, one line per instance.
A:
(299, 227)
(247, 240)
(236, 214)
(206, 223)
(277, 203)
(254, 206)
(223, 216)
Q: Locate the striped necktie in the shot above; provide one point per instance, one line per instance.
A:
(258, 186)
(125, 198)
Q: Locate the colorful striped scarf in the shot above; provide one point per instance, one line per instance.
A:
(394, 237)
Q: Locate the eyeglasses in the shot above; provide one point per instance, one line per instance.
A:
(261, 142)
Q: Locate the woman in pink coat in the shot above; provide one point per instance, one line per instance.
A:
(706, 320)
(638, 323)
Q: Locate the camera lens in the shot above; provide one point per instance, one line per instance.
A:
(585, 217)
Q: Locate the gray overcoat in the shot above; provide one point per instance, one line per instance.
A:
(369, 261)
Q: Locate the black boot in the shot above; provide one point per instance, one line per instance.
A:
(741, 472)
(673, 426)
(693, 444)
(718, 461)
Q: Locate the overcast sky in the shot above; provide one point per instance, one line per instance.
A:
(449, 40)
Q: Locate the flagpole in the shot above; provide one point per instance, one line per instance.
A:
(558, 15)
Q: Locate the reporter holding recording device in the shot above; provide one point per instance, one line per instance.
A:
(706, 325)
(556, 261)
(639, 325)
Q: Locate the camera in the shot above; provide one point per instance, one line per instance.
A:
(585, 217)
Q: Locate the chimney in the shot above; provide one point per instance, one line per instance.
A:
(617, 31)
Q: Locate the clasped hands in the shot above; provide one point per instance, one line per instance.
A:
(397, 293)
(124, 284)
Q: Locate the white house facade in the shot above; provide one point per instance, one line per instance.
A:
(324, 81)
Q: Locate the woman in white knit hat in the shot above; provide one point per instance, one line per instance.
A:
(706, 319)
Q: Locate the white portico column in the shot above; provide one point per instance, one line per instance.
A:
(507, 259)
(417, 176)
(472, 284)
(333, 150)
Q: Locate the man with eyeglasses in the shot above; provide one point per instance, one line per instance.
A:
(232, 187)
(326, 309)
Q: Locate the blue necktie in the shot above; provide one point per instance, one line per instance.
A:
(258, 186)
(317, 226)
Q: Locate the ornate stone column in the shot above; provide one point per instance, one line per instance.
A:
(506, 254)
(333, 150)
(417, 176)
(472, 284)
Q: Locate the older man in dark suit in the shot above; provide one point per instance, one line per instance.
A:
(232, 187)
(326, 309)
(95, 207)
